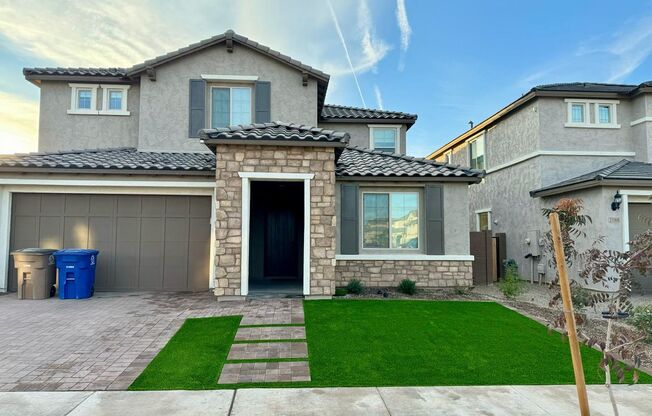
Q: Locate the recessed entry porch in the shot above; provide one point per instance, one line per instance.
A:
(276, 238)
(276, 235)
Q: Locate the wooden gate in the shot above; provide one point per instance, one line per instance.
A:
(489, 253)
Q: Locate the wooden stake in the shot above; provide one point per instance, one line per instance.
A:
(569, 315)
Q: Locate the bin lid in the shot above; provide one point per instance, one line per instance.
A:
(76, 252)
(34, 251)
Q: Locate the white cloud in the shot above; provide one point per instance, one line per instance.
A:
(18, 124)
(404, 27)
(379, 97)
(610, 57)
(374, 49)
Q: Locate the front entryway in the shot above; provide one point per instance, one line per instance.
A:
(640, 217)
(276, 238)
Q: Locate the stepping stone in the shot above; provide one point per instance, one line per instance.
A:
(263, 350)
(271, 332)
(291, 371)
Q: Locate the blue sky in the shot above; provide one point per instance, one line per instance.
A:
(447, 61)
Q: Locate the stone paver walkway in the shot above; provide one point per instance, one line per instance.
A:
(104, 343)
(258, 349)
(363, 401)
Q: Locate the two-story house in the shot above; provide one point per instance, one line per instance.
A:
(178, 172)
(576, 140)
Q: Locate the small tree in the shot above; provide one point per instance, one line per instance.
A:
(605, 267)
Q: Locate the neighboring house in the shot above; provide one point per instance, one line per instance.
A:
(139, 162)
(580, 140)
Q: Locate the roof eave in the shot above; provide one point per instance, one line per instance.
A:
(591, 183)
(382, 178)
(107, 171)
(36, 79)
(407, 121)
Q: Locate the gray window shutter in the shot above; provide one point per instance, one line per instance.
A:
(349, 219)
(434, 204)
(197, 116)
(263, 102)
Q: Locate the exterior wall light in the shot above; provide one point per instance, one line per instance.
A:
(618, 199)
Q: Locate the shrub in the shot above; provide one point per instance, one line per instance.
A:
(641, 319)
(340, 291)
(511, 285)
(580, 297)
(355, 286)
(462, 290)
(407, 286)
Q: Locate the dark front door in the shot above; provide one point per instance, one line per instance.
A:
(276, 235)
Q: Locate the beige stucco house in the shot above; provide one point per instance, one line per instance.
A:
(577, 140)
(179, 172)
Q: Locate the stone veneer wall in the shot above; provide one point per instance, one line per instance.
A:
(388, 273)
(231, 159)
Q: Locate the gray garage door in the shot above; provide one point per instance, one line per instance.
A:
(640, 216)
(145, 242)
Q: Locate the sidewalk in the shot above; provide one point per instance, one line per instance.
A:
(371, 401)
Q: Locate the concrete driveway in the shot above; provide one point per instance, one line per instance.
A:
(105, 342)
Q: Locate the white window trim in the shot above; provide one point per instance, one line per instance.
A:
(587, 116)
(105, 100)
(397, 127)
(427, 257)
(229, 87)
(484, 151)
(390, 248)
(230, 78)
(73, 99)
(477, 217)
(448, 156)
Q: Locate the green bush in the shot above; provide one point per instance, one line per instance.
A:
(407, 286)
(355, 286)
(511, 285)
(641, 319)
(579, 296)
(340, 291)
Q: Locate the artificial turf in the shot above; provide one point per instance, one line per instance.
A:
(387, 343)
(193, 358)
(421, 343)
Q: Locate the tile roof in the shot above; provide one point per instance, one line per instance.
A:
(591, 87)
(127, 159)
(625, 170)
(228, 35)
(276, 131)
(361, 162)
(332, 111)
(91, 72)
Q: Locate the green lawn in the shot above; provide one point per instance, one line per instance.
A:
(417, 343)
(388, 343)
(193, 358)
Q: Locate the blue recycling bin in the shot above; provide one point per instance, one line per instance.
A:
(76, 272)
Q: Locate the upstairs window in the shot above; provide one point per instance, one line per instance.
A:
(592, 113)
(83, 99)
(385, 138)
(476, 153)
(114, 100)
(484, 220)
(390, 220)
(577, 113)
(230, 106)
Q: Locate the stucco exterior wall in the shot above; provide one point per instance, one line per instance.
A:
(164, 102)
(232, 159)
(59, 130)
(556, 136)
(360, 135)
(389, 273)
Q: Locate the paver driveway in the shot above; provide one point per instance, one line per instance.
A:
(104, 343)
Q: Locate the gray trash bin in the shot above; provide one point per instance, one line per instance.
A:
(37, 274)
